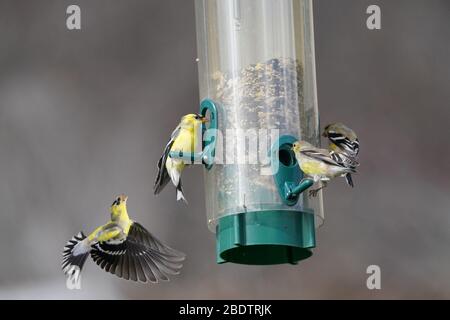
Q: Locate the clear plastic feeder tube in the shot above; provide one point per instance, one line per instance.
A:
(256, 60)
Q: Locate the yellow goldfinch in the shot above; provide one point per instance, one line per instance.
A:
(122, 247)
(182, 139)
(344, 144)
(318, 164)
(342, 139)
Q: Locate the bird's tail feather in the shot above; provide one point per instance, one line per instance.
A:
(180, 195)
(348, 178)
(162, 180)
(75, 254)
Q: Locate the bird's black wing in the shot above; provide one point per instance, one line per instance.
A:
(134, 261)
(344, 159)
(356, 146)
(344, 143)
(163, 176)
(346, 162)
(71, 260)
(143, 236)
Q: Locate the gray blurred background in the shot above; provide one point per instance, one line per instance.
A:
(85, 114)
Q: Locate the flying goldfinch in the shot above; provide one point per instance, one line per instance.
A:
(182, 139)
(318, 164)
(122, 247)
(344, 144)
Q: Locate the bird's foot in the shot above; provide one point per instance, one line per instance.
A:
(313, 193)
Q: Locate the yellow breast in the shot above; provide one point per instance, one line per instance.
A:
(184, 142)
(312, 167)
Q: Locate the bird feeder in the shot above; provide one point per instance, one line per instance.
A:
(257, 78)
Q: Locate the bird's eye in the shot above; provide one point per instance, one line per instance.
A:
(116, 202)
(197, 117)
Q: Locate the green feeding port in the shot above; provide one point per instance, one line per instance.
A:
(287, 174)
(256, 65)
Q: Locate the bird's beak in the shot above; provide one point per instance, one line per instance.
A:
(204, 120)
(324, 134)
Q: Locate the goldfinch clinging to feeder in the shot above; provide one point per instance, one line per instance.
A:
(344, 142)
(342, 139)
(122, 247)
(318, 164)
(184, 139)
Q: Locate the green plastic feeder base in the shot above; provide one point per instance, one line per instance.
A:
(265, 237)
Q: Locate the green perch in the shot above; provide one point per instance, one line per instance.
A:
(292, 191)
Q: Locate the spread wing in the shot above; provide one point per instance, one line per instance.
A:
(163, 176)
(131, 260)
(142, 235)
(76, 259)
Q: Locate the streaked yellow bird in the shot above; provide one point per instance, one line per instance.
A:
(318, 164)
(183, 139)
(342, 139)
(122, 247)
(344, 143)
